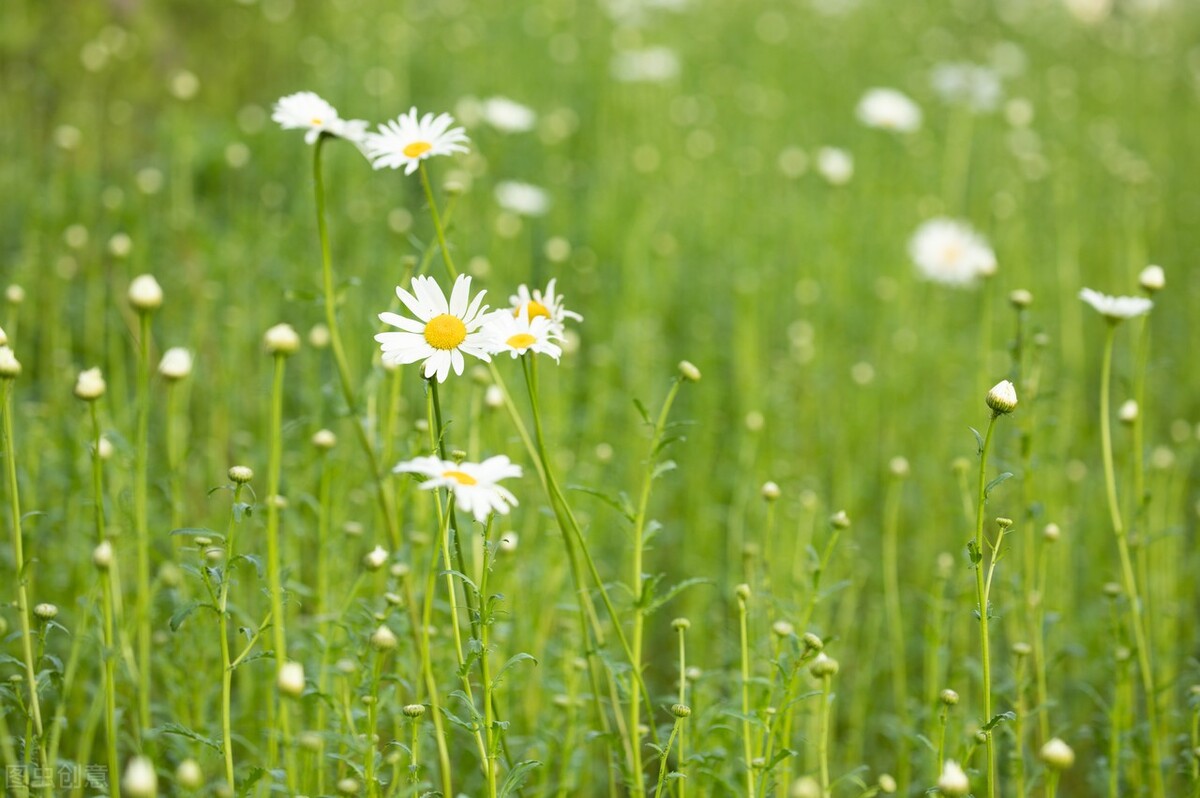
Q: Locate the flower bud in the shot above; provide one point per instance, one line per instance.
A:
(1057, 754)
(887, 784)
(493, 397)
(102, 555)
(689, 371)
(319, 336)
(1152, 279)
(1128, 412)
(176, 363)
(681, 710)
(281, 340)
(1022, 649)
(948, 697)
(1002, 398)
(413, 710)
(188, 775)
(324, 439)
(805, 787)
(898, 466)
(770, 491)
(1004, 523)
(14, 294)
(140, 780)
(783, 629)
(743, 592)
(145, 294)
(1051, 532)
(90, 385)
(383, 639)
(812, 642)
(10, 367)
(291, 679)
(953, 781)
(3, 337)
(840, 520)
(824, 665)
(348, 786)
(508, 542)
(241, 474)
(681, 624)
(1020, 299)
(375, 559)
(45, 612)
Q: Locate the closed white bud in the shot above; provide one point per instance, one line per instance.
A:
(45, 612)
(840, 520)
(508, 542)
(1128, 412)
(176, 363)
(14, 294)
(770, 491)
(140, 780)
(291, 679)
(689, 371)
(145, 293)
(383, 639)
(189, 775)
(1057, 754)
(241, 474)
(1002, 398)
(493, 397)
(1152, 279)
(1051, 532)
(1020, 299)
(90, 385)
(102, 555)
(324, 439)
(10, 367)
(376, 558)
(120, 245)
(824, 665)
(805, 787)
(887, 784)
(281, 339)
(953, 781)
(899, 467)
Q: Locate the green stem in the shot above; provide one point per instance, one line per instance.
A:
(14, 502)
(823, 739)
(223, 626)
(1131, 588)
(425, 649)
(490, 725)
(110, 644)
(895, 622)
(339, 354)
(982, 596)
(140, 524)
(666, 752)
(747, 740)
(437, 222)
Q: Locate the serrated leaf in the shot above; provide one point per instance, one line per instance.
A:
(620, 504)
(512, 661)
(181, 614)
(641, 408)
(198, 531)
(662, 468)
(674, 591)
(978, 439)
(517, 776)
(988, 490)
(183, 731)
(997, 720)
(251, 779)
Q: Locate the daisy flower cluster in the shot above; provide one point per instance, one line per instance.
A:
(441, 332)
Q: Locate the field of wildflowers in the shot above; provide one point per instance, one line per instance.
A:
(600, 397)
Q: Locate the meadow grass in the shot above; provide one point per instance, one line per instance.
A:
(773, 537)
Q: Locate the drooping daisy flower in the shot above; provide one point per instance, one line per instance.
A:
(543, 303)
(474, 485)
(520, 334)
(407, 140)
(523, 198)
(306, 111)
(1116, 308)
(508, 116)
(949, 252)
(442, 331)
(890, 110)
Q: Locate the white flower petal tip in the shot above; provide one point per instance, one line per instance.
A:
(308, 112)
(1116, 308)
(475, 486)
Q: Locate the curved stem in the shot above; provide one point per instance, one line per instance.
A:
(437, 222)
(981, 590)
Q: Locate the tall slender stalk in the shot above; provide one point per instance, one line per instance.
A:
(743, 596)
(110, 638)
(896, 635)
(140, 523)
(14, 503)
(977, 556)
(1145, 669)
(223, 627)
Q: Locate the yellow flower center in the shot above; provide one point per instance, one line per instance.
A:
(460, 477)
(535, 309)
(445, 331)
(316, 121)
(521, 341)
(952, 253)
(417, 149)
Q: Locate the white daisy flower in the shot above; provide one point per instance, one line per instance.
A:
(520, 334)
(543, 303)
(950, 252)
(508, 116)
(835, 165)
(407, 140)
(1116, 308)
(442, 332)
(890, 110)
(474, 485)
(522, 198)
(651, 65)
(306, 111)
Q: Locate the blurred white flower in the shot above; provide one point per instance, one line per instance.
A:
(474, 485)
(1089, 12)
(306, 111)
(443, 330)
(950, 252)
(407, 140)
(835, 165)
(508, 116)
(890, 110)
(176, 363)
(651, 65)
(1152, 279)
(953, 781)
(1116, 308)
(522, 198)
(975, 87)
(520, 334)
